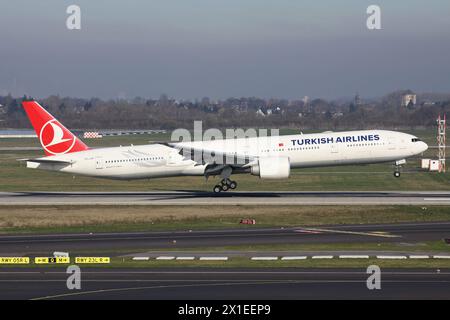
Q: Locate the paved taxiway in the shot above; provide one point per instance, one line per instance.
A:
(226, 198)
(207, 283)
(131, 242)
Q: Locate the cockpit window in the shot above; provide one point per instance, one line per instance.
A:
(415, 140)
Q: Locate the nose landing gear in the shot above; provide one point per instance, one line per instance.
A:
(398, 165)
(225, 185)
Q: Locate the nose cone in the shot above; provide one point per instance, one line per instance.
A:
(422, 147)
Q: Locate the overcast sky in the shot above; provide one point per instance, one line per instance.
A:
(223, 48)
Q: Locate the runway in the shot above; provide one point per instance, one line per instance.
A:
(131, 242)
(227, 198)
(235, 284)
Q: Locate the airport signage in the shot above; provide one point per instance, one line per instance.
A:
(14, 260)
(81, 260)
(51, 260)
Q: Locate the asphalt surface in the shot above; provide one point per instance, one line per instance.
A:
(19, 148)
(236, 284)
(140, 241)
(226, 198)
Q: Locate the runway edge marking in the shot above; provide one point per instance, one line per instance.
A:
(295, 258)
(214, 258)
(373, 234)
(141, 258)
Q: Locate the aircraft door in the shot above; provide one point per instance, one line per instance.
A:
(334, 148)
(99, 164)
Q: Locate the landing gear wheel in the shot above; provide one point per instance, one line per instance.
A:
(233, 185)
(225, 184)
(397, 174)
(217, 188)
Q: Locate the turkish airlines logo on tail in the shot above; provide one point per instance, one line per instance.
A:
(56, 139)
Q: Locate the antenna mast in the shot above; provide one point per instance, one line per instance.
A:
(441, 142)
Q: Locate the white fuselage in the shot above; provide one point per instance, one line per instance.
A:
(302, 150)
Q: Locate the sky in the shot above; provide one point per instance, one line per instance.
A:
(189, 49)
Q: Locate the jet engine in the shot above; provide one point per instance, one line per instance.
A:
(272, 168)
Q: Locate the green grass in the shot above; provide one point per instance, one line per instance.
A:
(117, 262)
(60, 219)
(427, 246)
(430, 247)
(308, 263)
(16, 177)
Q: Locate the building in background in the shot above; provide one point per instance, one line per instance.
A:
(357, 100)
(305, 100)
(409, 100)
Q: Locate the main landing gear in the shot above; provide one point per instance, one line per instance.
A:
(225, 185)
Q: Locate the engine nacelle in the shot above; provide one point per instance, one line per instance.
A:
(272, 168)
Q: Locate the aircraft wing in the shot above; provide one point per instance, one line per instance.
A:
(206, 156)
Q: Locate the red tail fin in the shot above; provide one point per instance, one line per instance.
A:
(54, 137)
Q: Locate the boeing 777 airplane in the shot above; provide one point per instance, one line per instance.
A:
(266, 157)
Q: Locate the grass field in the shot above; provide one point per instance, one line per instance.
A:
(15, 177)
(309, 263)
(117, 262)
(393, 248)
(20, 219)
(428, 246)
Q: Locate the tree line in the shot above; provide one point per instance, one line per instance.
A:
(168, 113)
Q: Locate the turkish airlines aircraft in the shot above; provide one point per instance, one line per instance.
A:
(266, 157)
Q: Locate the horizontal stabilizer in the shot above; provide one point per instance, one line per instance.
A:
(49, 161)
